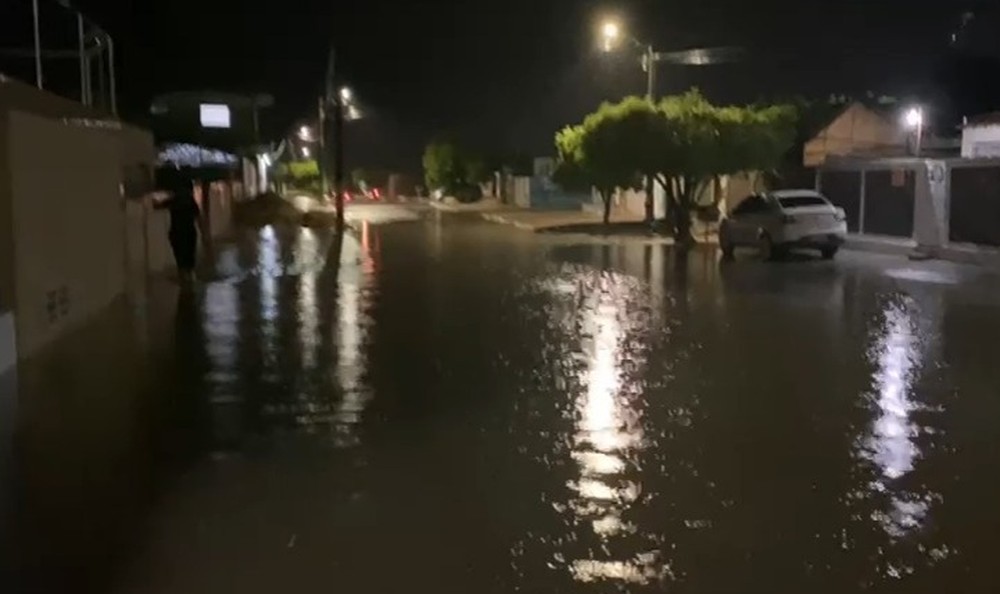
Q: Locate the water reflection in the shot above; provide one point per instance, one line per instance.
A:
(307, 255)
(268, 271)
(351, 334)
(891, 445)
(608, 436)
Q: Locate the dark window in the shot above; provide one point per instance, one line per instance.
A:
(800, 201)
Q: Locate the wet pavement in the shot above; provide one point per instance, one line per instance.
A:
(446, 405)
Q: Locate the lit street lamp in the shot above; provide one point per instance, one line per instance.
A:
(914, 120)
(612, 36)
(610, 32)
(305, 134)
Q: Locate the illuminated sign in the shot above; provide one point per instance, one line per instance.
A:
(214, 115)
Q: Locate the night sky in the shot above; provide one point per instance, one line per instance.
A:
(505, 74)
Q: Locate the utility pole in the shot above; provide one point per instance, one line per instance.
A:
(38, 45)
(80, 31)
(649, 63)
(332, 98)
(338, 157)
(321, 156)
(113, 89)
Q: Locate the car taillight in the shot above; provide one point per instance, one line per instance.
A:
(841, 216)
(788, 219)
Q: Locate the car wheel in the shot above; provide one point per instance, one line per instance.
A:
(829, 253)
(766, 247)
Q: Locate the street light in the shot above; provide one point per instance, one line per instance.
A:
(346, 95)
(914, 120)
(610, 34)
(305, 134)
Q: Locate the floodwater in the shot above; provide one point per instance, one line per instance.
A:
(450, 406)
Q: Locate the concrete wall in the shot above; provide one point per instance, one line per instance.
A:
(981, 141)
(546, 195)
(68, 225)
(519, 191)
(67, 237)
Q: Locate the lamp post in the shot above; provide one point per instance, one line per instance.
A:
(612, 35)
(343, 108)
(914, 120)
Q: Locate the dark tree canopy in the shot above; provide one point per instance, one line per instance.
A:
(684, 141)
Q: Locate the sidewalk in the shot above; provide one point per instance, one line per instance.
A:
(484, 205)
(536, 221)
(588, 223)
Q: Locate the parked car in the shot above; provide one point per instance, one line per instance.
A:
(775, 222)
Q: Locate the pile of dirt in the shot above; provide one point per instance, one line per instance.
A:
(266, 209)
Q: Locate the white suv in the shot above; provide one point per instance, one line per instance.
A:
(777, 221)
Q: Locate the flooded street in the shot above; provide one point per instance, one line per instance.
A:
(446, 405)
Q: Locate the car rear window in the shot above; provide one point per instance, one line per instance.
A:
(800, 201)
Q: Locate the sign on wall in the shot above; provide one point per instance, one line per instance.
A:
(214, 115)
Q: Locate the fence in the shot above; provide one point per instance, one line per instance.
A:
(974, 214)
(934, 202)
(878, 197)
(59, 49)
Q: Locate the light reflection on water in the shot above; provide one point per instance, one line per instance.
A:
(900, 342)
(355, 290)
(307, 255)
(607, 438)
(573, 419)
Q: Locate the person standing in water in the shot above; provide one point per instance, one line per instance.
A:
(184, 222)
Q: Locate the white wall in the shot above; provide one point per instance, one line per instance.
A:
(522, 192)
(981, 141)
(68, 225)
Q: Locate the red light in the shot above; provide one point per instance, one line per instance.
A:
(375, 193)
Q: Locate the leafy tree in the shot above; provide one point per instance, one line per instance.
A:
(303, 170)
(605, 151)
(360, 177)
(702, 142)
(455, 169)
(474, 170)
(442, 168)
(685, 142)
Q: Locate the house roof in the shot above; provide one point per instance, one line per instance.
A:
(986, 119)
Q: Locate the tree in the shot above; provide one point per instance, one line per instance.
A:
(454, 169)
(474, 170)
(685, 142)
(441, 165)
(700, 142)
(360, 178)
(608, 150)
